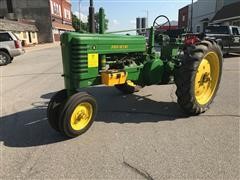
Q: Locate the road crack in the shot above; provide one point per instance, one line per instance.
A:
(142, 172)
(139, 171)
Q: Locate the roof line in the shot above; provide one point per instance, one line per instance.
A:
(226, 19)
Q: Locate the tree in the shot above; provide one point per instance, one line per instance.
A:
(84, 26)
(96, 16)
(76, 22)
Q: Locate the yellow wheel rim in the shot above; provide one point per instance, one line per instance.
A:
(81, 116)
(207, 78)
(130, 83)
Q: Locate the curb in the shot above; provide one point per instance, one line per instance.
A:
(41, 47)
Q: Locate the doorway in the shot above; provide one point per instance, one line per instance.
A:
(29, 37)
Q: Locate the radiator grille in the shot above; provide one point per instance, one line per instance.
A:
(79, 58)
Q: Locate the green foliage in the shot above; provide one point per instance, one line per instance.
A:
(97, 21)
(76, 24)
(84, 26)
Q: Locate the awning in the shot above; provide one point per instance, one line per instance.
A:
(60, 26)
(231, 11)
(8, 25)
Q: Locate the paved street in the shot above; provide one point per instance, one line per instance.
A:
(140, 136)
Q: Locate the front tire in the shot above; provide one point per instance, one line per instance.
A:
(78, 114)
(198, 78)
(54, 107)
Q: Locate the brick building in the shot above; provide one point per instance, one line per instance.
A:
(52, 17)
(183, 17)
(61, 17)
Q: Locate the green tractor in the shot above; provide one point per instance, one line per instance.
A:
(130, 62)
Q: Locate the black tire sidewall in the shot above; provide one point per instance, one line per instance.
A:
(185, 76)
(69, 107)
(8, 58)
(54, 108)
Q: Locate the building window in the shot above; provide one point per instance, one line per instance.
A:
(67, 14)
(56, 9)
(9, 6)
(183, 18)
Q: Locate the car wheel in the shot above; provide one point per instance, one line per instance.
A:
(4, 58)
(11, 59)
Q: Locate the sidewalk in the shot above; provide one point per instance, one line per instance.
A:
(42, 46)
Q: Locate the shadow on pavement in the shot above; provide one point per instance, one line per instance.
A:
(30, 127)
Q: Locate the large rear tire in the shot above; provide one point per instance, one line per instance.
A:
(198, 78)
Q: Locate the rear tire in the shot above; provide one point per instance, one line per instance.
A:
(198, 78)
(4, 58)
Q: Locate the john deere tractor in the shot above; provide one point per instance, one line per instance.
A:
(130, 62)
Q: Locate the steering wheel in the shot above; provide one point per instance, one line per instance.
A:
(158, 25)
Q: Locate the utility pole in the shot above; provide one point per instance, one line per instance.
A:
(191, 27)
(147, 17)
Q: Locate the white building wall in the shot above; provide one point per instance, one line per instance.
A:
(202, 9)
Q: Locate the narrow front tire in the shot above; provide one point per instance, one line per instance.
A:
(78, 114)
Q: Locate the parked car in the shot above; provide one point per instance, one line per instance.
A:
(228, 37)
(10, 46)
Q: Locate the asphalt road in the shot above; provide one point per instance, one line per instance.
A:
(140, 136)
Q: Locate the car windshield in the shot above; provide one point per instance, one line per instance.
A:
(217, 30)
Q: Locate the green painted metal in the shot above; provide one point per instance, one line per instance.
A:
(134, 73)
(101, 21)
(153, 71)
(151, 41)
(108, 44)
(85, 56)
(103, 62)
(75, 50)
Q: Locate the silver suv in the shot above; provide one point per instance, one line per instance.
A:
(10, 46)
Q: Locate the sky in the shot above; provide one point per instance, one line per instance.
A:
(122, 13)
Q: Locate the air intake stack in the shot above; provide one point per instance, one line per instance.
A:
(92, 25)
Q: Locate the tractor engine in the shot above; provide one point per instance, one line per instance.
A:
(92, 59)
